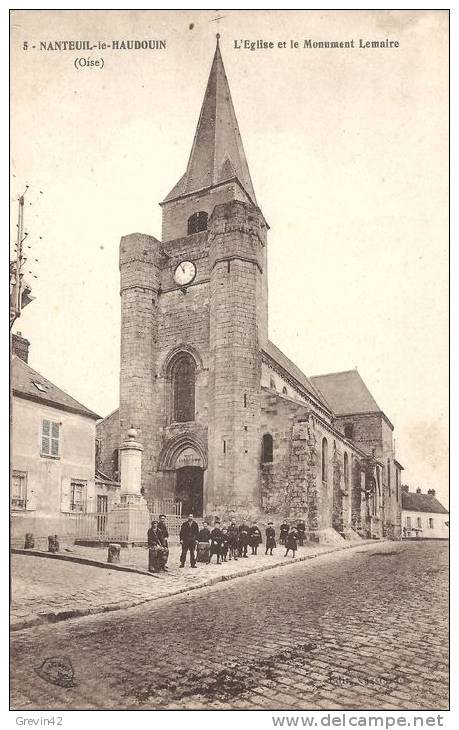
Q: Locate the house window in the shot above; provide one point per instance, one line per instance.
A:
(267, 449)
(77, 496)
(324, 460)
(388, 476)
(397, 484)
(418, 522)
(50, 438)
(19, 490)
(408, 522)
(197, 222)
(183, 389)
(431, 523)
(349, 430)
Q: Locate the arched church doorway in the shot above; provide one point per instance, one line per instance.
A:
(189, 489)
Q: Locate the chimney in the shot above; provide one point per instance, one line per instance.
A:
(20, 346)
(431, 492)
(418, 490)
(405, 488)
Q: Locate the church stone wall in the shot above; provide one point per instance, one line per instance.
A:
(235, 375)
(140, 260)
(177, 212)
(290, 485)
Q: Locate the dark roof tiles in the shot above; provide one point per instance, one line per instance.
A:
(345, 392)
(29, 384)
(414, 502)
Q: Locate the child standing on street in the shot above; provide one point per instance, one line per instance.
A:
(291, 541)
(215, 541)
(224, 545)
(233, 537)
(254, 537)
(270, 538)
(284, 528)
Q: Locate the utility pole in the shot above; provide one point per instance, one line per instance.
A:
(19, 293)
(20, 296)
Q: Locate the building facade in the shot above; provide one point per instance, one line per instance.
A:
(423, 516)
(53, 456)
(229, 425)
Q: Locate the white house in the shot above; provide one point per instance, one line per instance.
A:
(423, 516)
(53, 456)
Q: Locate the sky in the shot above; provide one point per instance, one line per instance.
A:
(348, 153)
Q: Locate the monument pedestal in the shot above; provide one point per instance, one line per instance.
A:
(131, 517)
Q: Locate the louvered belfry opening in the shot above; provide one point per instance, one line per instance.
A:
(197, 222)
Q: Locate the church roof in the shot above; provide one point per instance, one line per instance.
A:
(217, 153)
(345, 392)
(286, 364)
(418, 502)
(29, 384)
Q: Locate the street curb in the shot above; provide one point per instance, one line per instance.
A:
(44, 618)
(83, 561)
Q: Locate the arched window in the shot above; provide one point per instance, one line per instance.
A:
(284, 390)
(183, 389)
(324, 460)
(267, 448)
(272, 384)
(346, 470)
(197, 222)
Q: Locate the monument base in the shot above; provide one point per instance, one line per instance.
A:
(130, 520)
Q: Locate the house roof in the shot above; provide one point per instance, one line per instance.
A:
(286, 364)
(217, 154)
(414, 502)
(29, 384)
(345, 392)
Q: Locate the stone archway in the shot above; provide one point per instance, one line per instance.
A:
(189, 481)
(185, 459)
(189, 490)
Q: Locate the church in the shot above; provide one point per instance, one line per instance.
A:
(228, 424)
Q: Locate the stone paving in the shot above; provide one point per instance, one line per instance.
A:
(357, 629)
(46, 589)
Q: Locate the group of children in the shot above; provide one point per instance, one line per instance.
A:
(232, 542)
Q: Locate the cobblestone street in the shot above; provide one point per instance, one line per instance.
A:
(45, 589)
(363, 629)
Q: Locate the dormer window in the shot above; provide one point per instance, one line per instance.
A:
(197, 222)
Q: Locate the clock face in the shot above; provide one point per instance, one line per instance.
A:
(185, 273)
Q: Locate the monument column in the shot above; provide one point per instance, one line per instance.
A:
(132, 516)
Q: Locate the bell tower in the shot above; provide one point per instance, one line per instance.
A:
(194, 323)
(216, 194)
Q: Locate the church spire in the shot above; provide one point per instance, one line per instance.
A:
(217, 153)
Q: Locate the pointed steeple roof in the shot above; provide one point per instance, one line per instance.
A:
(217, 153)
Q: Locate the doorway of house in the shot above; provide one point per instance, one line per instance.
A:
(102, 510)
(189, 490)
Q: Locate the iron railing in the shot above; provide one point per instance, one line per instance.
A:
(124, 523)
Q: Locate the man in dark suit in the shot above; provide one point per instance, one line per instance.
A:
(189, 534)
(162, 529)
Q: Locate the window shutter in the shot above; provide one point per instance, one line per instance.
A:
(65, 494)
(55, 439)
(31, 498)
